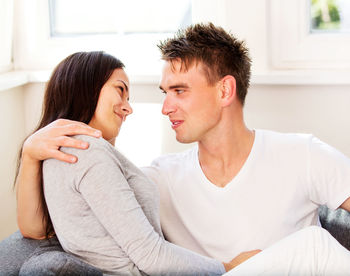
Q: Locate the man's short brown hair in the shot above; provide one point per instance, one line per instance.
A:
(219, 51)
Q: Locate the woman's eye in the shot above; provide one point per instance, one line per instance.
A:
(120, 90)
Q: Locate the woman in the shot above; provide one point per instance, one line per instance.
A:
(109, 220)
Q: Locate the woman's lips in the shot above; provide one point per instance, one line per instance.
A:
(121, 116)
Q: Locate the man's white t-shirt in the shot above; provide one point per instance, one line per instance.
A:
(284, 180)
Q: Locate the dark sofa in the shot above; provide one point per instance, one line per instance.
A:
(20, 256)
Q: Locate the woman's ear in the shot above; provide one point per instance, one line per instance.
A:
(228, 90)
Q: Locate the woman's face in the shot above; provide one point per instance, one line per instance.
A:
(112, 106)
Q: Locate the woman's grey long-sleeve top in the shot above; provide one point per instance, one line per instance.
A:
(106, 211)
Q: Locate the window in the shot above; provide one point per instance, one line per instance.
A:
(118, 16)
(129, 30)
(296, 45)
(330, 15)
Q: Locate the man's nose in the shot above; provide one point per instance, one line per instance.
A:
(168, 105)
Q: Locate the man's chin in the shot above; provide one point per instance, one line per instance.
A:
(184, 140)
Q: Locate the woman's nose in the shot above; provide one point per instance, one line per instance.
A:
(127, 109)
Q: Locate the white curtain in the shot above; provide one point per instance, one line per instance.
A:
(6, 31)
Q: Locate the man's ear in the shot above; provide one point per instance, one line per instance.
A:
(228, 90)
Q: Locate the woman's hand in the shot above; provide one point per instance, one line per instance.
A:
(240, 259)
(46, 142)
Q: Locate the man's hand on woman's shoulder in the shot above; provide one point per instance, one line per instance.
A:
(46, 142)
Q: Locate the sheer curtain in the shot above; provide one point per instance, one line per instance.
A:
(6, 30)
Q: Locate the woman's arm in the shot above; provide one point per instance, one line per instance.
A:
(43, 144)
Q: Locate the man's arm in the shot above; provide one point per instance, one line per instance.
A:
(346, 205)
(43, 144)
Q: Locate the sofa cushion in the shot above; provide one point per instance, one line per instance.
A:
(21, 256)
(337, 222)
(14, 250)
(50, 259)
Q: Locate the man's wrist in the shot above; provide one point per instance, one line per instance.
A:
(227, 266)
(28, 159)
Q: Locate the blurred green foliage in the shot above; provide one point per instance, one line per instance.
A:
(325, 15)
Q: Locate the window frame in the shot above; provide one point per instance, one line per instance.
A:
(36, 49)
(293, 46)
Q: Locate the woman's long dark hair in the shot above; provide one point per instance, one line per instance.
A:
(72, 93)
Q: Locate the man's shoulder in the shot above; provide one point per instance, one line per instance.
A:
(280, 144)
(284, 135)
(284, 138)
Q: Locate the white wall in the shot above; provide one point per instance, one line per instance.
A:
(12, 135)
(321, 110)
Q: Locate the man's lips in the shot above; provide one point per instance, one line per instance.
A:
(176, 123)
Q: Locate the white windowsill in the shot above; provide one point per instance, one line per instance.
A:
(12, 79)
(18, 78)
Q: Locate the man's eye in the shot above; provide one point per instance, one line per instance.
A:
(179, 91)
(162, 91)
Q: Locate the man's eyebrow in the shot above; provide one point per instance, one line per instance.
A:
(126, 87)
(178, 85)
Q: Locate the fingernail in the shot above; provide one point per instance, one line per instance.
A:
(73, 159)
(84, 145)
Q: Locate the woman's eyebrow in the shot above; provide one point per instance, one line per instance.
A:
(126, 87)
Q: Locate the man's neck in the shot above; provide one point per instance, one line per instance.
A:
(223, 157)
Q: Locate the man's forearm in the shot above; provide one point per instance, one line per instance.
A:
(41, 145)
(29, 204)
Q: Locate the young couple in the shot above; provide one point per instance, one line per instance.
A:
(238, 190)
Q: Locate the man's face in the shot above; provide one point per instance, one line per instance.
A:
(192, 105)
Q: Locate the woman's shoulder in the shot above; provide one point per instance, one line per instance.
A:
(93, 141)
(95, 145)
(98, 151)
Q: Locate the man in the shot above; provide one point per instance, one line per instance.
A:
(238, 189)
